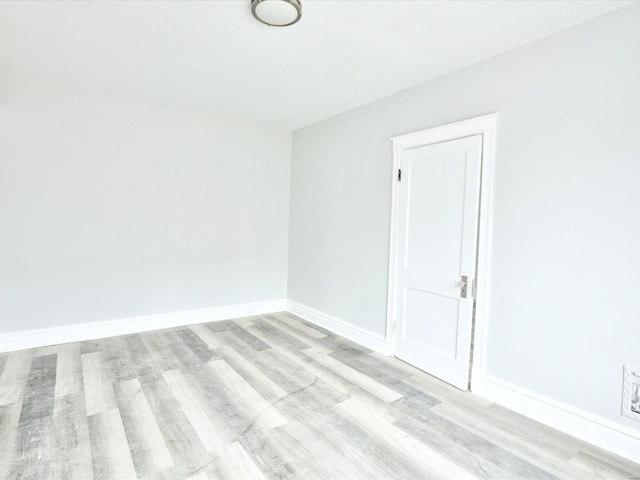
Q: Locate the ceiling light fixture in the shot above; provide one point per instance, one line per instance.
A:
(277, 13)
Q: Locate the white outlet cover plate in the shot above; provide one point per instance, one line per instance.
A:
(631, 392)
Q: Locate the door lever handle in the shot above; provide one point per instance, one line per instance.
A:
(463, 286)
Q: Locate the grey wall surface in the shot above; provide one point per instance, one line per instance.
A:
(112, 208)
(566, 221)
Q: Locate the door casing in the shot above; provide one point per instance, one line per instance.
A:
(486, 126)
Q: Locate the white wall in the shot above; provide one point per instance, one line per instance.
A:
(112, 208)
(564, 301)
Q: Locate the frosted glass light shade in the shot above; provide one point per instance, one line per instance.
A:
(277, 13)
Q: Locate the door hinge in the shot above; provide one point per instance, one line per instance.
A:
(474, 288)
(393, 326)
(399, 175)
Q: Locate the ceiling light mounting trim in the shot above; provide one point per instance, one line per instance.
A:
(277, 13)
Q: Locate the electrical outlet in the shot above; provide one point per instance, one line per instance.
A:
(631, 392)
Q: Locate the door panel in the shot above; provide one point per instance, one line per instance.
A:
(437, 225)
(440, 332)
(433, 183)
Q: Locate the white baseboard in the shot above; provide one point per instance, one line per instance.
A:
(359, 335)
(599, 431)
(112, 328)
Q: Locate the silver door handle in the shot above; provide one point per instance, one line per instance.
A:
(463, 286)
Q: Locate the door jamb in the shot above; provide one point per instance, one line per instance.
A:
(486, 126)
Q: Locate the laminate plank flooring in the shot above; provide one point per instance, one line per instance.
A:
(265, 397)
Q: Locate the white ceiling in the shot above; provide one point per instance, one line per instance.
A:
(212, 56)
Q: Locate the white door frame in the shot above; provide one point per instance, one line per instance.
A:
(486, 126)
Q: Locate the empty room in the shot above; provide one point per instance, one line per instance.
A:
(319, 239)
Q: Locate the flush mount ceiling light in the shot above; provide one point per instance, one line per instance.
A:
(277, 13)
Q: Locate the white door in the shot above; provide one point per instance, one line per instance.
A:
(437, 231)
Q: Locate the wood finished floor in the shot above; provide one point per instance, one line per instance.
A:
(262, 397)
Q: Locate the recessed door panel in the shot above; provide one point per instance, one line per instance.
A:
(434, 182)
(432, 319)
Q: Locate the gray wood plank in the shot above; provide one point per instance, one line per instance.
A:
(207, 335)
(316, 426)
(9, 445)
(281, 370)
(309, 371)
(269, 452)
(353, 440)
(606, 461)
(276, 336)
(158, 343)
(304, 334)
(598, 469)
(146, 366)
(334, 342)
(33, 444)
(261, 412)
(235, 463)
(384, 393)
(200, 476)
(183, 443)
(290, 317)
(69, 370)
(40, 390)
(34, 435)
(72, 460)
(98, 390)
(252, 374)
(3, 360)
(119, 360)
(246, 336)
(295, 326)
(149, 451)
(372, 419)
(238, 328)
(472, 452)
(208, 427)
(14, 376)
(487, 426)
(198, 346)
(110, 450)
